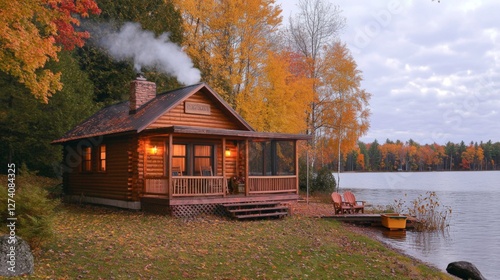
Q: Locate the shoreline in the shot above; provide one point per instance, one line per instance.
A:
(320, 209)
(370, 233)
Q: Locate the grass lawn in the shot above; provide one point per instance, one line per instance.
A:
(106, 243)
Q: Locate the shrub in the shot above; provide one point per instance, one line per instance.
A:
(33, 209)
(303, 175)
(324, 181)
(321, 182)
(427, 210)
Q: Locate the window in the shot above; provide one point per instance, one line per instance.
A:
(102, 158)
(272, 158)
(260, 158)
(179, 157)
(87, 159)
(285, 158)
(190, 158)
(203, 155)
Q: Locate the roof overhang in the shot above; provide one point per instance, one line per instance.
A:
(197, 131)
(231, 133)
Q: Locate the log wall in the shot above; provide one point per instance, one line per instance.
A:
(114, 183)
(177, 116)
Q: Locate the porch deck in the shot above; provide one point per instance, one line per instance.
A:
(193, 206)
(236, 198)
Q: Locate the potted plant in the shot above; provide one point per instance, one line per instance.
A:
(237, 184)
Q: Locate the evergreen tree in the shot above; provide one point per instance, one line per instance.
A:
(28, 125)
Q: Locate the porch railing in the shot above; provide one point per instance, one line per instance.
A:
(198, 185)
(272, 184)
(186, 185)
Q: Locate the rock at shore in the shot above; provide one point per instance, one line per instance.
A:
(15, 256)
(464, 270)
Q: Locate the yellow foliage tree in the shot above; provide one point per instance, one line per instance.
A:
(342, 103)
(228, 41)
(280, 100)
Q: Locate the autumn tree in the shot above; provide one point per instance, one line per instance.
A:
(33, 32)
(228, 41)
(472, 157)
(315, 26)
(342, 107)
(280, 100)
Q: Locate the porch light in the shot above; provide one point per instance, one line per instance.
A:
(227, 152)
(154, 150)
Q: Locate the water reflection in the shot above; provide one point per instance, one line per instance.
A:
(395, 234)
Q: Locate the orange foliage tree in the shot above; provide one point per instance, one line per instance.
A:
(472, 157)
(228, 40)
(280, 100)
(31, 32)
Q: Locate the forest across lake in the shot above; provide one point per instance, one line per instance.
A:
(412, 156)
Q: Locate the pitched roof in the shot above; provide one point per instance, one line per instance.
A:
(116, 118)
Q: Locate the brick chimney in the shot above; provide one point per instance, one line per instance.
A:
(141, 91)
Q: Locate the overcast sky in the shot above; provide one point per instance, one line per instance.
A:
(433, 68)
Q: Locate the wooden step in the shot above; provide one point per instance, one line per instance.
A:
(250, 203)
(258, 209)
(274, 214)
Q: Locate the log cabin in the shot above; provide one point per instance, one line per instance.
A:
(183, 152)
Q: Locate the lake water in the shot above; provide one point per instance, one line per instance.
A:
(474, 231)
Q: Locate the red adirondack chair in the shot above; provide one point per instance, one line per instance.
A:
(356, 205)
(340, 206)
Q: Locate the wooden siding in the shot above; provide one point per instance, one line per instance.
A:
(114, 183)
(154, 164)
(177, 116)
(136, 166)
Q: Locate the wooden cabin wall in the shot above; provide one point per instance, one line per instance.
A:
(241, 163)
(231, 161)
(154, 164)
(135, 167)
(114, 183)
(177, 116)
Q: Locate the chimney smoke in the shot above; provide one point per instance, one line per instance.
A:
(132, 42)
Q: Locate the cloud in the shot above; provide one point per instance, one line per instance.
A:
(433, 69)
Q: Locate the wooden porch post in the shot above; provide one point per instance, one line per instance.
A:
(247, 182)
(223, 153)
(169, 164)
(296, 166)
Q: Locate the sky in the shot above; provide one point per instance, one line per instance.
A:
(433, 69)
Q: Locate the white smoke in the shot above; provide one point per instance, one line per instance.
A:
(132, 42)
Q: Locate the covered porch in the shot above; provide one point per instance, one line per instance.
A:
(208, 166)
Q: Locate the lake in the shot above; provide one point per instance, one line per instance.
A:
(474, 231)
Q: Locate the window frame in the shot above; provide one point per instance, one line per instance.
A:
(102, 161)
(86, 164)
(210, 157)
(189, 157)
